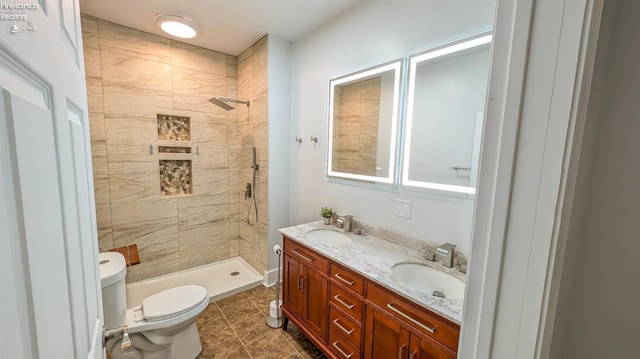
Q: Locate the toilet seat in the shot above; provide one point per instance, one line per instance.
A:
(172, 302)
(167, 308)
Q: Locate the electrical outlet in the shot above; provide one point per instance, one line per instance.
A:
(403, 208)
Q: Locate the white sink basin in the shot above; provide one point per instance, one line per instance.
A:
(428, 280)
(327, 236)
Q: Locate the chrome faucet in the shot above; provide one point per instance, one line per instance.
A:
(345, 222)
(446, 251)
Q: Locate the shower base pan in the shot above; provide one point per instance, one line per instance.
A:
(220, 279)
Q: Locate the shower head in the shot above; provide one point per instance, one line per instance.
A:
(220, 102)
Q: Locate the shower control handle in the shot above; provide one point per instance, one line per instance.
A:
(247, 191)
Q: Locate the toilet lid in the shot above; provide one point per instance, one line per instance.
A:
(172, 302)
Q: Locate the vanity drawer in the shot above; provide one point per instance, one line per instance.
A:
(344, 325)
(346, 301)
(420, 318)
(347, 278)
(341, 347)
(306, 256)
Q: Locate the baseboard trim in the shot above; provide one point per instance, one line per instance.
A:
(270, 277)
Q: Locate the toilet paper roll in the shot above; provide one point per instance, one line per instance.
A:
(276, 249)
(275, 312)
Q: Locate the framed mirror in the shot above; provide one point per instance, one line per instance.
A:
(445, 108)
(363, 124)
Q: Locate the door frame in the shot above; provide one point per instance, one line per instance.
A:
(50, 247)
(542, 60)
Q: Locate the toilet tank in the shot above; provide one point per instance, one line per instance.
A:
(113, 269)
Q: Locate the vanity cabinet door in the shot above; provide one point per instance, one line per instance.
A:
(315, 305)
(385, 338)
(426, 348)
(292, 289)
(305, 290)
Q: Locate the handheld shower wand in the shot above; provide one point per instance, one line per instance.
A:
(252, 196)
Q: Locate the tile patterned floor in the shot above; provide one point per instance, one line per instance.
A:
(235, 327)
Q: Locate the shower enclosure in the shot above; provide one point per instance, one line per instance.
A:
(200, 218)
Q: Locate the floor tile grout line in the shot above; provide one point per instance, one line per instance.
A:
(296, 351)
(234, 331)
(285, 339)
(289, 342)
(255, 301)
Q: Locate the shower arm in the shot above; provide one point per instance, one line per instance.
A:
(227, 99)
(222, 102)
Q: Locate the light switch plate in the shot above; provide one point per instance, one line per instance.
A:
(403, 208)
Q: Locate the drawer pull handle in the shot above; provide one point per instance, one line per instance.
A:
(337, 298)
(337, 323)
(413, 355)
(337, 275)
(299, 277)
(409, 318)
(335, 345)
(302, 256)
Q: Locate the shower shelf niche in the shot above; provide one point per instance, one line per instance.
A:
(173, 149)
(175, 177)
(177, 128)
(174, 144)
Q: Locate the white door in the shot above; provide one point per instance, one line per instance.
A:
(50, 301)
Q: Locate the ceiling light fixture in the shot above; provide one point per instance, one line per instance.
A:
(177, 25)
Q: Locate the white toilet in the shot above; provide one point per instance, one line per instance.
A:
(163, 327)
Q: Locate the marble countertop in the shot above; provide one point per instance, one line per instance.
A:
(373, 258)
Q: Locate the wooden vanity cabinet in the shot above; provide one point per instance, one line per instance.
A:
(349, 317)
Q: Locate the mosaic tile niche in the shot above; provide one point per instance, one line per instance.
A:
(175, 128)
(175, 177)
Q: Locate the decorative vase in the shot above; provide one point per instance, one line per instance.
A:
(327, 220)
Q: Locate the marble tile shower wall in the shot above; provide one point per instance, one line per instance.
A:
(253, 132)
(131, 77)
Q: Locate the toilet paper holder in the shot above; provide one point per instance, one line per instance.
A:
(274, 306)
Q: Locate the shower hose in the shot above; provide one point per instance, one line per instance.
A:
(252, 199)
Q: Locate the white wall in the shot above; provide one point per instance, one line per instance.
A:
(603, 317)
(370, 34)
(279, 141)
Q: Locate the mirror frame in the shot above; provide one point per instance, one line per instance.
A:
(391, 178)
(414, 60)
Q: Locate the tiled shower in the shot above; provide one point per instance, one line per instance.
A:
(169, 167)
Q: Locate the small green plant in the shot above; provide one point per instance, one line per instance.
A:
(327, 212)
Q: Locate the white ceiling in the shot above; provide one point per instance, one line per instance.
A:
(228, 26)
